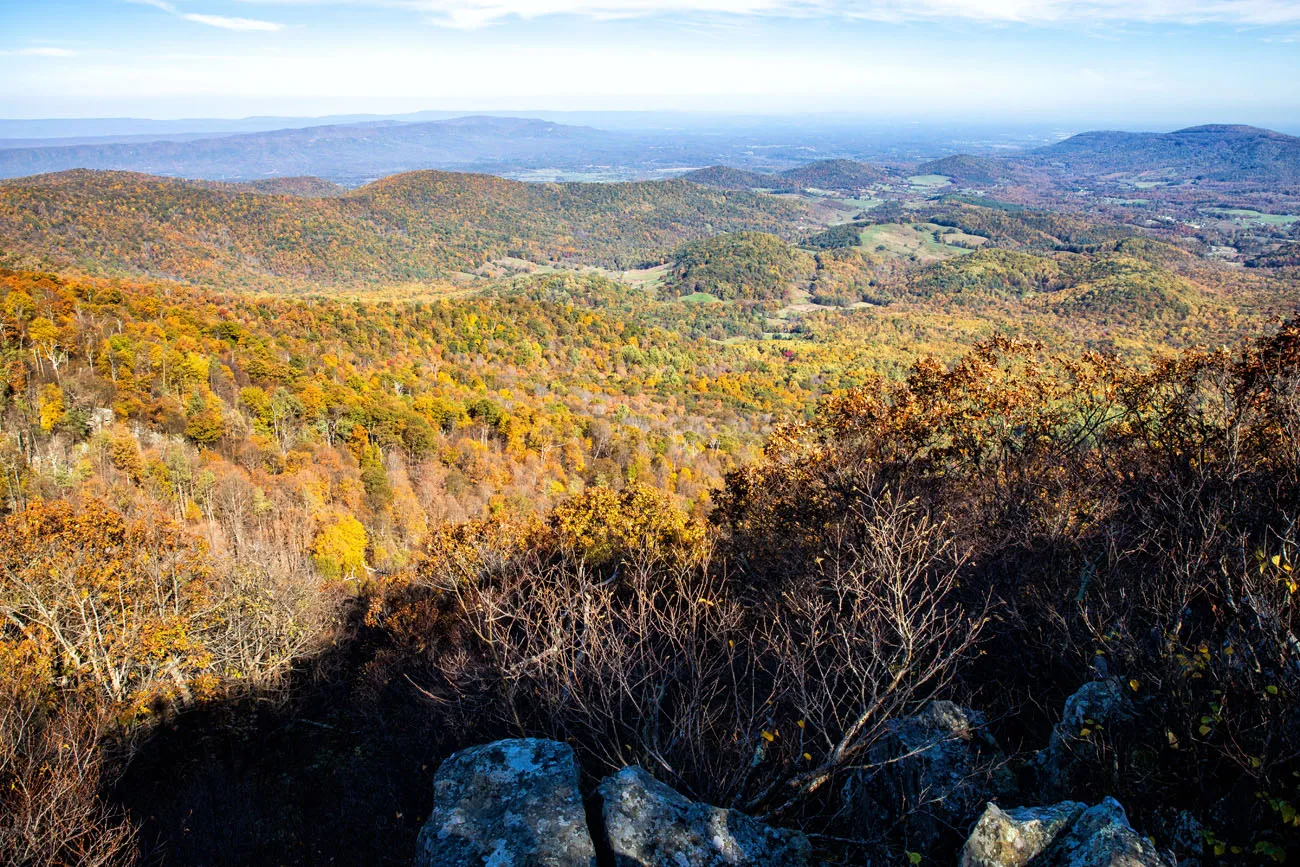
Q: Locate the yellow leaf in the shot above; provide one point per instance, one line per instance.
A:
(768, 736)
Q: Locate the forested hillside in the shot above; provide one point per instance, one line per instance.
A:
(967, 169)
(749, 265)
(417, 226)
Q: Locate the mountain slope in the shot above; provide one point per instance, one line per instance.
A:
(405, 227)
(1216, 153)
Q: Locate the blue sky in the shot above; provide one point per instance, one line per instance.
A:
(1132, 63)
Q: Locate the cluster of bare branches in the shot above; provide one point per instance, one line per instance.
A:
(51, 771)
(737, 696)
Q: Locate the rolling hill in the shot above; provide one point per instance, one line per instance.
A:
(838, 175)
(730, 178)
(411, 226)
(744, 265)
(964, 168)
(843, 176)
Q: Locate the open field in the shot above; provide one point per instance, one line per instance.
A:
(908, 240)
(700, 298)
(929, 181)
(1245, 216)
(649, 279)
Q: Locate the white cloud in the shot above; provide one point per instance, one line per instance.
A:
(232, 23)
(477, 13)
(39, 51)
(222, 21)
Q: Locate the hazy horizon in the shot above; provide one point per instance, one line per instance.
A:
(1147, 64)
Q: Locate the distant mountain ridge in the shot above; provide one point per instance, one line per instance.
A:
(1214, 152)
(350, 153)
(355, 153)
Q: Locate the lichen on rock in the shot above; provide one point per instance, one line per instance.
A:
(1013, 838)
(511, 803)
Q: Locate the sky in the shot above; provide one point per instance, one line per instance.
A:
(1149, 64)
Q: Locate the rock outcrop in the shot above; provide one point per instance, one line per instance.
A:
(1013, 838)
(934, 771)
(1062, 835)
(649, 824)
(507, 804)
(516, 803)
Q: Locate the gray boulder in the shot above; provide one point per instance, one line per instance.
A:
(1013, 838)
(649, 824)
(933, 772)
(1102, 837)
(511, 803)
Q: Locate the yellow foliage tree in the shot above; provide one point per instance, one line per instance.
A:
(52, 408)
(120, 604)
(340, 548)
(638, 523)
